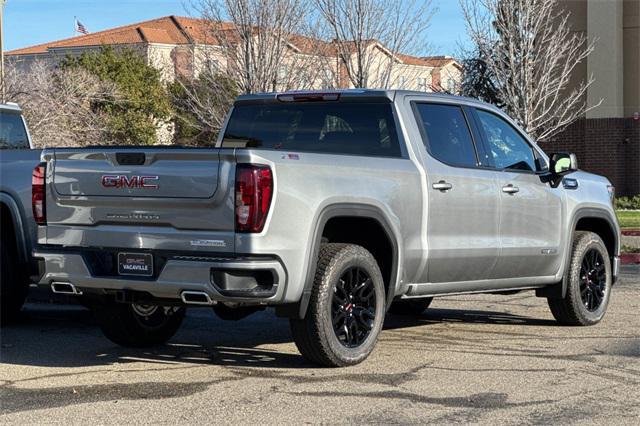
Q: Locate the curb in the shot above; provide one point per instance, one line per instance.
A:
(630, 258)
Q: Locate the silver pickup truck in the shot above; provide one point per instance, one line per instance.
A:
(331, 207)
(17, 228)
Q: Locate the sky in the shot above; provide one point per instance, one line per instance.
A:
(29, 22)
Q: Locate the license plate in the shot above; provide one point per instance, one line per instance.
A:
(140, 264)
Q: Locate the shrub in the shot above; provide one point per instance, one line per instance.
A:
(146, 104)
(628, 203)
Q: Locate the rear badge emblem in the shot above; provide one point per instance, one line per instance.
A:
(290, 157)
(208, 243)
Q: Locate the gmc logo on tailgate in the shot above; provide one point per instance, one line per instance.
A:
(122, 181)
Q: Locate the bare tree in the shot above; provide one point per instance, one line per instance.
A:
(368, 36)
(201, 105)
(59, 104)
(531, 52)
(261, 42)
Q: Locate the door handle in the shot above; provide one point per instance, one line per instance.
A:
(442, 186)
(510, 189)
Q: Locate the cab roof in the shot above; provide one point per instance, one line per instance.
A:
(353, 95)
(10, 107)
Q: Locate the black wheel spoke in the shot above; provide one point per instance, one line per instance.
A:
(353, 307)
(593, 279)
(338, 318)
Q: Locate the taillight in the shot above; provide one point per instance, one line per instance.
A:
(38, 194)
(254, 188)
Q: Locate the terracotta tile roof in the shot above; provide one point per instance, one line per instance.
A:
(439, 61)
(413, 60)
(161, 30)
(181, 30)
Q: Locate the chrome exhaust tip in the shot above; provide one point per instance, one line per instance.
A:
(65, 288)
(196, 298)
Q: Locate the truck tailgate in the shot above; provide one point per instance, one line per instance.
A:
(137, 173)
(170, 198)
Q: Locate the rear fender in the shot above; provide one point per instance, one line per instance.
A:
(342, 210)
(19, 226)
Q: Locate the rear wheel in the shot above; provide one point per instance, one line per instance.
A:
(346, 310)
(137, 325)
(588, 283)
(13, 282)
(412, 307)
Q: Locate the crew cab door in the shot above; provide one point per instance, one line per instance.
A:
(463, 198)
(530, 209)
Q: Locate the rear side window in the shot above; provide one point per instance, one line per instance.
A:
(12, 132)
(325, 127)
(447, 134)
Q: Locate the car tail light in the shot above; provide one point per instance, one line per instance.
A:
(254, 188)
(38, 194)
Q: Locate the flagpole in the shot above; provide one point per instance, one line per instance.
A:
(75, 25)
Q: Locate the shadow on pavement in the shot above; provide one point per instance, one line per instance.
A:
(438, 315)
(67, 336)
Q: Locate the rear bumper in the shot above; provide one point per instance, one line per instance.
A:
(239, 279)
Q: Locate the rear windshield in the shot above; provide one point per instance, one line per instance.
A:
(12, 132)
(324, 127)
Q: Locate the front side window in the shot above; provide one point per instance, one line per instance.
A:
(447, 134)
(13, 135)
(508, 149)
(366, 129)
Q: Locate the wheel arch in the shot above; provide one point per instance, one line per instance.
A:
(335, 213)
(595, 220)
(11, 215)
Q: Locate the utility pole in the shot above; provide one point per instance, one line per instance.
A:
(3, 94)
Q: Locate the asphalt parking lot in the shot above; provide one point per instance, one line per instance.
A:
(474, 359)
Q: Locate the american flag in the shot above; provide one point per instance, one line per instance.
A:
(81, 28)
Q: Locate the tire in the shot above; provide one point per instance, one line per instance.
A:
(127, 324)
(585, 285)
(13, 283)
(359, 317)
(411, 307)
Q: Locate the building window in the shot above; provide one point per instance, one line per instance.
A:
(451, 85)
(402, 81)
(283, 74)
(212, 66)
(421, 82)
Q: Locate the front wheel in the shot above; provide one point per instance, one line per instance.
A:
(136, 325)
(588, 283)
(346, 309)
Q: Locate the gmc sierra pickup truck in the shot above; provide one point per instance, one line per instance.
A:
(17, 228)
(331, 207)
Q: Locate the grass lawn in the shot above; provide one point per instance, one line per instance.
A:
(629, 218)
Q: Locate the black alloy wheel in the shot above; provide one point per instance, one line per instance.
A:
(353, 308)
(593, 280)
(587, 284)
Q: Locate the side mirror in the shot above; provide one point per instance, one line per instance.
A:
(563, 163)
